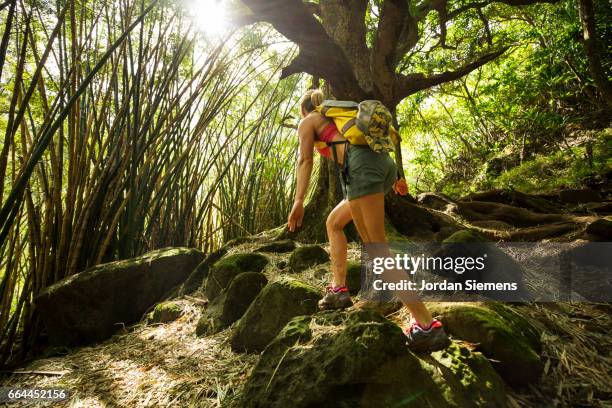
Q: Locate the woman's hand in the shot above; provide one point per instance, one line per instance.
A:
(400, 187)
(296, 216)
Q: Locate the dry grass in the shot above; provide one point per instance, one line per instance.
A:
(149, 366)
(167, 365)
(577, 355)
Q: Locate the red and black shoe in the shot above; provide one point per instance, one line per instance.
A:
(335, 298)
(426, 339)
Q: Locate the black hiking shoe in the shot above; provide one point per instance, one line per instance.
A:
(427, 340)
(335, 298)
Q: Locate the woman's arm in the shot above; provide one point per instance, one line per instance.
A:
(305, 160)
(304, 170)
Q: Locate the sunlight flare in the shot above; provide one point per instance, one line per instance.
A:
(209, 16)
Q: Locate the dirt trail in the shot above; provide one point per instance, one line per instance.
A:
(147, 366)
(167, 365)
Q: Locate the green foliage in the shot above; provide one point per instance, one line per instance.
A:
(562, 169)
(460, 136)
(176, 140)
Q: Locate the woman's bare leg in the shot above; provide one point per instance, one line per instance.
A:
(336, 221)
(368, 213)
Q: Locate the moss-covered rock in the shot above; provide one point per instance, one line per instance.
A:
(240, 240)
(277, 303)
(463, 236)
(165, 312)
(282, 246)
(601, 228)
(197, 277)
(382, 307)
(87, 306)
(240, 294)
(306, 256)
(468, 377)
(231, 305)
(353, 277)
(226, 269)
(359, 358)
(584, 253)
(500, 333)
(499, 267)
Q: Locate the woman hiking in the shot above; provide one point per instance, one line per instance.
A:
(372, 175)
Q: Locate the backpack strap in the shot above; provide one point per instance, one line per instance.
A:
(342, 175)
(348, 125)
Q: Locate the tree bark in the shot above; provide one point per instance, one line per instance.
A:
(593, 50)
(324, 199)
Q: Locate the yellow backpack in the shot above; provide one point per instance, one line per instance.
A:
(364, 123)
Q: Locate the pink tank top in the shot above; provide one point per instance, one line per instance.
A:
(327, 135)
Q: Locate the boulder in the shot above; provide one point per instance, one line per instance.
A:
(584, 254)
(277, 303)
(384, 308)
(464, 236)
(226, 269)
(501, 334)
(306, 256)
(499, 267)
(231, 305)
(282, 246)
(353, 277)
(195, 280)
(585, 269)
(601, 228)
(90, 305)
(241, 240)
(165, 312)
(469, 379)
(359, 358)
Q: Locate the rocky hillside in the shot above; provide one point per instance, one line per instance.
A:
(242, 329)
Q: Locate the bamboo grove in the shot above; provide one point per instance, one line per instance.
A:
(122, 133)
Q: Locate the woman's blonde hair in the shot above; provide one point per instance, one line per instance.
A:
(311, 99)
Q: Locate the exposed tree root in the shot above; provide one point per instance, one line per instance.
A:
(507, 215)
(498, 214)
(517, 199)
(516, 216)
(419, 222)
(532, 233)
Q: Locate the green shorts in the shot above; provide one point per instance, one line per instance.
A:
(369, 172)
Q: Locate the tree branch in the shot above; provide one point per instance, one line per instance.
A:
(391, 24)
(319, 55)
(412, 83)
(481, 4)
(313, 8)
(239, 21)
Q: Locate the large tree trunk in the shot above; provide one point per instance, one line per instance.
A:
(332, 37)
(326, 196)
(593, 50)
(403, 213)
